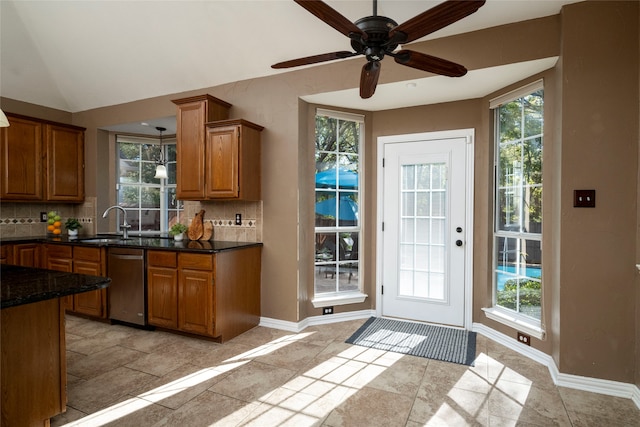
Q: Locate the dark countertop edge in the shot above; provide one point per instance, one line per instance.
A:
(171, 245)
(90, 283)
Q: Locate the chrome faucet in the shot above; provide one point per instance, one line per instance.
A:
(125, 226)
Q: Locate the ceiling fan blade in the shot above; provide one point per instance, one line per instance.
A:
(330, 16)
(434, 19)
(431, 64)
(369, 79)
(314, 59)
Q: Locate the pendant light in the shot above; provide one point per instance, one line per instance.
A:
(4, 122)
(161, 169)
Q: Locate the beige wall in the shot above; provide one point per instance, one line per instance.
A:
(598, 279)
(591, 141)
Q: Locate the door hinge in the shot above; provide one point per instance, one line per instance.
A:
(382, 225)
(383, 162)
(382, 289)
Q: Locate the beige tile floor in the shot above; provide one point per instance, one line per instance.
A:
(122, 376)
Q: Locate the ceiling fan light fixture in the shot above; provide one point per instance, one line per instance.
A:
(377, 36)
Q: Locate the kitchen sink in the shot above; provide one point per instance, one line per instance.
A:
(102, 240)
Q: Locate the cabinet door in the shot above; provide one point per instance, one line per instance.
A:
(6, 254)
(92, 303)
(222, 162)
(195, 301)
(162, 297)
(21, 160)
(65, 164)
(27, 255)
(190, 135)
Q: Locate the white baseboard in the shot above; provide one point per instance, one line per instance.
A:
(593, 385)
(315, 320)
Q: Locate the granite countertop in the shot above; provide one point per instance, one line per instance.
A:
(25, 285)
(145, 242)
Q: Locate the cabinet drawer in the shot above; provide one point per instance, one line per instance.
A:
(162, 259)
(195, 261)
(59, 251)
(86, 254)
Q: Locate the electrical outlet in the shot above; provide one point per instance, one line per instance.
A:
(524, 338)
(327, 310)
(43, 217)
(238, 219)
(584, 198)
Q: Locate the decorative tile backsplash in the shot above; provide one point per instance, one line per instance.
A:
(23, 219)
(223, 215)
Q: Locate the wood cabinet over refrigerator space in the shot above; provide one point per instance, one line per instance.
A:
(41, 161)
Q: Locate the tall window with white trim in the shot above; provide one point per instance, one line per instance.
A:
(150, 202)
(518, 203)
(337, 203)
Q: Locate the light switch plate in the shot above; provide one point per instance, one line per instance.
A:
(584, 198)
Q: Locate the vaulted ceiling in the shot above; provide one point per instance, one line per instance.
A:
(80, 55)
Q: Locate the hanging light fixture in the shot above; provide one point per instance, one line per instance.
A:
(161, 169)
(4, 122)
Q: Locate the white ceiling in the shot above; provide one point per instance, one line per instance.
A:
(80, 55)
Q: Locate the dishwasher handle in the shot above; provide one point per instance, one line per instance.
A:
(134, 257)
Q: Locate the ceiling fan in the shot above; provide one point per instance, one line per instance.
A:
(376, 36)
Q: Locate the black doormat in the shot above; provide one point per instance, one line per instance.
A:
(417, 339)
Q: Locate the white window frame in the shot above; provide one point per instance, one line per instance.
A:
(344, 297)
(497, 313)
(163, 184)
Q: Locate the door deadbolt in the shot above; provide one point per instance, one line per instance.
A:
(459, 229)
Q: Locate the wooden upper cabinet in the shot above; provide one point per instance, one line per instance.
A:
(65, 163)
(193, 113)
(21, 160)
(233, 160)
(41, 161)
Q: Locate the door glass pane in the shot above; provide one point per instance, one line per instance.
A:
(423, 225)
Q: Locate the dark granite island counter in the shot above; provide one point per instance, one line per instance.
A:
(33, 364)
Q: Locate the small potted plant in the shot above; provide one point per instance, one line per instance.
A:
(72, 225)
(177, 230)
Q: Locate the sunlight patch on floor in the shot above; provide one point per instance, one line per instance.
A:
(122, 409)
(489, 379)
(309, 398)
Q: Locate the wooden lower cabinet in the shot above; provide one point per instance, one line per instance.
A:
(26, 254)
(214, 295)
(6, 254)
(162, 289)
(196, 295)
(83, 260)
(91, 261)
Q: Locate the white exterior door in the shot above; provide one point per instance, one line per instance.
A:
(426, 207)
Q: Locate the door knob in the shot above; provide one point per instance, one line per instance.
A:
(458, 242)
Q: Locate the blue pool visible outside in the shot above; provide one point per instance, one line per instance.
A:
(531, 272)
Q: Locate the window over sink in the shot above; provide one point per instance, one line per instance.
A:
(150, 202)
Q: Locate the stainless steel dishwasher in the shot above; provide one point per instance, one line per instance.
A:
(127, 292)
